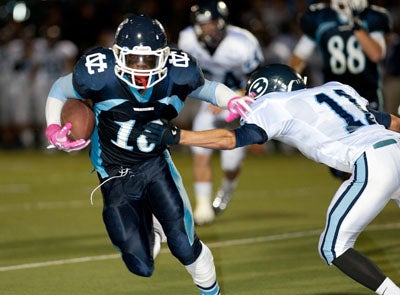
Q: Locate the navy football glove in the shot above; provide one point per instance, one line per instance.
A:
(162, 132)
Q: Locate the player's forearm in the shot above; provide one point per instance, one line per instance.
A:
(394, 123)
(370, 46)
(53, 111)
(220, 139)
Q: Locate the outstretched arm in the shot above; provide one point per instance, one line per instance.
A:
(220, 139)
(162, 133)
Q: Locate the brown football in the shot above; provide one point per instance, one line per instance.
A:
(81, 116)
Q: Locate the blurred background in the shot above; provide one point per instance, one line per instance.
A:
(41, 40)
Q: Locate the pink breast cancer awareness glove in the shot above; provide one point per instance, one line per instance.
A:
(238, 106)
(57, 137)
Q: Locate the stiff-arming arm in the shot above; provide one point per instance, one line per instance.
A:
(220, 95)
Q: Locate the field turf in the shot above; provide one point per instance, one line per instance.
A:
(52, 240)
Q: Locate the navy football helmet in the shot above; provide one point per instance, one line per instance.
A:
(209, 19)
(274, 78)
(141, 51)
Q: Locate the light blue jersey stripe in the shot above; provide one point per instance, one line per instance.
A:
(188, 218)
(342, 207)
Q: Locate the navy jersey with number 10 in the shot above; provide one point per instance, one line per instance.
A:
(121, 110)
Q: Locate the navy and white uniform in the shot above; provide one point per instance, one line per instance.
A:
(343, 57)
(331, 124)
(138, 179)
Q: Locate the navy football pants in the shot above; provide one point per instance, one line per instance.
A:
(151, 187)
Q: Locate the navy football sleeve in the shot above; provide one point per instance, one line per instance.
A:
(378, 19)
(250, 134)
(382, 118)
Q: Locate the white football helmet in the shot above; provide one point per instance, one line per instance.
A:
(345, 7)
(141, 52)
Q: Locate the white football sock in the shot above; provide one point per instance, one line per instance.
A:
(203, 190)
(203, 272)
(388, 288)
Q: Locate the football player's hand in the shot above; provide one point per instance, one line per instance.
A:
(58, 138)
(355, 19)
(162, 132)
(238, 106)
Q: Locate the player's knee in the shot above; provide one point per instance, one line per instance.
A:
(329, 253)
(138, 266)
(326, 254)
(185, 252)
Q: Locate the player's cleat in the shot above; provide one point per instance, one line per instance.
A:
(222, 198)
(204, 213)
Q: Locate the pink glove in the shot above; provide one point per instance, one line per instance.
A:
(58, 139)
(238, 106)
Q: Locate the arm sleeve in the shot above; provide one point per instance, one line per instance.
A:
(304, 48)
(61, 90)
(250, 134)
(382, 118)
(214, 92)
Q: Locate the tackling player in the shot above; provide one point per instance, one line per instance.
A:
(138, 80)
(331, 124)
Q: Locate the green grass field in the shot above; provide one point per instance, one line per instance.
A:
(52, 240)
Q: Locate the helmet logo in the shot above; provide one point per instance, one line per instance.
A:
(259, 87)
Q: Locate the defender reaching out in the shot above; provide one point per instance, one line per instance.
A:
(331, 124)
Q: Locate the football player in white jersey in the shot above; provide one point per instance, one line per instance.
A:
(331, 124)
(226, 54)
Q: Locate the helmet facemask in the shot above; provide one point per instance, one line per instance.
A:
(346, 7)
(140, 67)
(211, 33)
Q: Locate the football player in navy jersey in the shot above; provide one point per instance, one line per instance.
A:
(140, 79)
(350, 36)
(330, 124)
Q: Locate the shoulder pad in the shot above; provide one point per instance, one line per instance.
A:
(314, 16)
(378, 19)
(93, 70)
(183, 69)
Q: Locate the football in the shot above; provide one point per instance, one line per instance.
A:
(81, 116)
